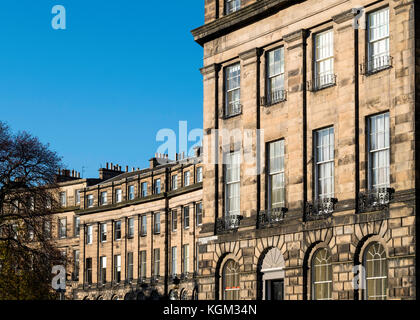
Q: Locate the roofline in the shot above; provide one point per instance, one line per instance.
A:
(241, 18)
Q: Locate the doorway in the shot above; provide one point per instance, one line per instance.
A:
(274, 289)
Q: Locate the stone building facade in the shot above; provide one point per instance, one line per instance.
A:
(335, 105)
(131, 234)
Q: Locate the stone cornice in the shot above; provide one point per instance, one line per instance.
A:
(345, 16)
(295, 35)
(253, 53)
(210, 69)
(239, 19)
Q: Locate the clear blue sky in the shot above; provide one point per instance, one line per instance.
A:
(100, 90)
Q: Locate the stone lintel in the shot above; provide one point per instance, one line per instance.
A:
(345, 16)
(295, 36)
(249, 54)
(210, 69)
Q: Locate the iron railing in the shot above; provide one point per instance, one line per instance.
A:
(321, 82)
(274, 98)
(228, 222)
(376, 64)
(272, 216)
(232, 110)
(320, 209)
(375, 199)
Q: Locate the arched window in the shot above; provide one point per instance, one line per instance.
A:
(376, 272)
(321, 275)
(231, 281)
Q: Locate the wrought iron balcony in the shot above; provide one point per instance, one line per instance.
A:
(274, 98)
(154, 279)
(232, 110)
(175, 279)
(185, 276)
(272, 216)
(320, 209)
(375, 199)
(321, 82)
(228, 222)
(376, 64)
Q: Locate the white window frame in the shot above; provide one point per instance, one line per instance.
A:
(77, 197)
(143, 227)
(157, 186)
(130, 266)
(320, 164)
(326, 264)
(275, 72)
(143, 187)
(324, 55)
(131, 194)
(156, 262)
(90, 200)
(186, 258)
(63, 198)
(143, 264)
(276, 172)
(384, 149)
(63, 228)
(104, 198)
(231, 183)
(175, 182)
(130, 227)
(118, 195)
(232, 6)
(382, 278)
(174, 261)
(187, 176)
(117, 268)
(186, 217)
(199, 216)
(76, 226)
(174, 220)
(199, 174)
(378, 35)
(89, 235)
(232, 76)
(156, 223)
(102, 270)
